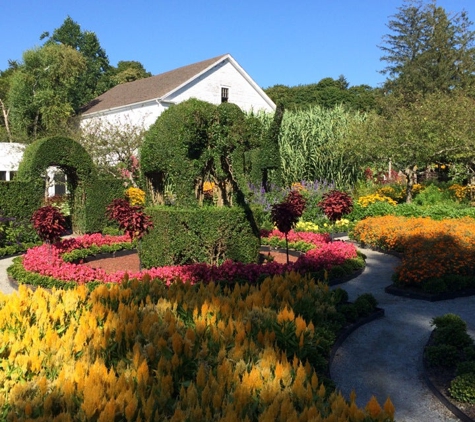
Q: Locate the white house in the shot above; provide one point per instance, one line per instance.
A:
(216, 80)
(11, 154)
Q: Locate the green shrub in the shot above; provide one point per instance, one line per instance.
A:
(465, 367)
(90, 202)
(434, 285)
(462, 388)
(452, 336)
(449, 320)
(206, 234)
(442, 355)
(20, 199)
(340, 296)
(365, 304)
(349, 311)
(432, 195)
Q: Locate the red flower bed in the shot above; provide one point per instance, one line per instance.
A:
(46, 260)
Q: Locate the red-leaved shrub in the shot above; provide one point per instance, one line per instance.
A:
(335, 204)
(49, 223)
(130, 218)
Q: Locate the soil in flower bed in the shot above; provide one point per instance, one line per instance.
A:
(131, 262)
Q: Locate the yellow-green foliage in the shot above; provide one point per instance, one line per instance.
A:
(138, 351)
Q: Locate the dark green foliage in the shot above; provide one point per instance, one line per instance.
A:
(90, 202)
(453, 335)
(349, 311)
(434, 285)
(208, 234)
(442, 355)
(193, 142)
(340, 295)
(59, 151)
(462, 388)
(424, 36)
(449, 320)
(270, 150)
(465, 367)
(20, 199)
(327, 93)
(93, 81)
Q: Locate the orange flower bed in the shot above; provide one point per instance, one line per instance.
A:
(432, 249)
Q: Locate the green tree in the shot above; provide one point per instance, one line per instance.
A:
(41, 92)
(438, 128)
(127, 71)
(428, 51)
(327, 93)
(5, 82)
(94, 80)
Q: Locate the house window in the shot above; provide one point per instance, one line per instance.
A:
(3, 175)
(224, 95)
(12, 175)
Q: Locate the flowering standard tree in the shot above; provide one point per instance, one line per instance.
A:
(285, 214)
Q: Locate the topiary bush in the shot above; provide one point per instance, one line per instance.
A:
(192, 235)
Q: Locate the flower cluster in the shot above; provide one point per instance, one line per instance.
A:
(136, 196)
(366, 200)
(139, 351)
(432, 249)
(48, 262)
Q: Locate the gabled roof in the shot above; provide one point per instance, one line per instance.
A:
(154, 87)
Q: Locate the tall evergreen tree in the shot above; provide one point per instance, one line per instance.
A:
(428, 51)
(95, 80)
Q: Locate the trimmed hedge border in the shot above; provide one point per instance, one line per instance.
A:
(449, 404)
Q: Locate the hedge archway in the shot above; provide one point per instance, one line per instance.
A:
(62, 152)
(72, 159)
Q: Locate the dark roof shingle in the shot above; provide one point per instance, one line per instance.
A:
(147, 89)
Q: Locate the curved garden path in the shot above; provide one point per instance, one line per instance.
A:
(382, 358)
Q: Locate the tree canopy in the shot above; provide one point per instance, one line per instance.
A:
(327, 93)
(428, 51)
(93, 81)
(41, 90)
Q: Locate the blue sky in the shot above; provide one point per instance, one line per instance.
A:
(276, 42)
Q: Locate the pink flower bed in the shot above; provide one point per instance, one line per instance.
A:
(48, 261)
(307, 237)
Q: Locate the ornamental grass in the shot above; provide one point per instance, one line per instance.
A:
(432, 249)
(142, 352)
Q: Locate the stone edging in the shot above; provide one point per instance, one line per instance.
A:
(459, 413)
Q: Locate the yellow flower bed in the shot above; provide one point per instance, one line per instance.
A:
(141, 352)
(367, 200)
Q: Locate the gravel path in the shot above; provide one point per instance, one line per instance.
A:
(5, 286)
(384, 358)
